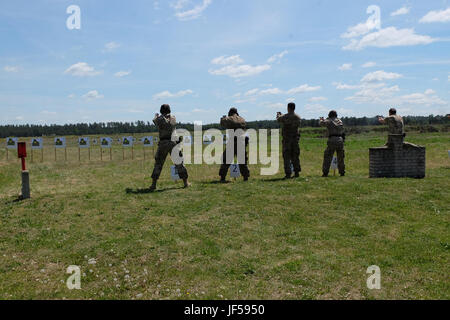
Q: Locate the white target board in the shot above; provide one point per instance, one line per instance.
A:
(105, 142)
(37, 143)
(84, 142)
(147, 141)
(11, 143)
(234, 171)
(127, 142)
(334, 163)
(174, 173)
(207, 139)
(60, 142)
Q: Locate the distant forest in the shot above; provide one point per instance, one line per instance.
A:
(143, 127)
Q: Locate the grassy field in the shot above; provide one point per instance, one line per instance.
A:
(308, 238)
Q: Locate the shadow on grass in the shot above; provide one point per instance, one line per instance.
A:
(148, 191)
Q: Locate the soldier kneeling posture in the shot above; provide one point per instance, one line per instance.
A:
(166, 126)
(336, 138)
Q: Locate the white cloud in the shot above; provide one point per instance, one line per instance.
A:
(190, 14)
(121, 74)
(81, 69)
(20, 118)
(380, 75)
(110, 46)
(11, 68)
(315, 108)
(277, 57)
(277, 105)
(389, 37)
(317, 99)
(303, 88)
(343, 86)
(356, 31)
(422, 99)
(448, 78)
(300, 89)
(167, 94)
(401, 11)
(238, 71)
(71, 96)
(345, 67)
(430, 91)
(93, 95)
(251, 92)
(271, 91)
(436, 16)
(369, 64)
(49, 113)
(224, 60)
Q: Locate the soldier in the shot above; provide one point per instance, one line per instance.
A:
(395, 123)
(166, 126)
(336, 138)
(291, 151)
(234, 122)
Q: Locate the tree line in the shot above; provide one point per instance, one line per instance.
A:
(111, 128)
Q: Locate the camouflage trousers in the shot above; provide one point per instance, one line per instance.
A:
(245, 172)
(335, 144)
(291, 154)
(164, 148)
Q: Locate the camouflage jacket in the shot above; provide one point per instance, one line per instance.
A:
(290, 123)
(335, 126)
(395, 124)
(234, 122)
(166, 126)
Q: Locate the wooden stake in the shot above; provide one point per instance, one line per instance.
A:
(110, 154)
(89, 152)
(101, 154)
(55, 154)
(79, 154)
(65, 154)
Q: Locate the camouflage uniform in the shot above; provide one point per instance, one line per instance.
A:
(291, 150)
(335, 143)
(234, 122)
(166, 126)
(396, 127)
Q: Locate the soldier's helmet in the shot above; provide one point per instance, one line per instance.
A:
(332, 114)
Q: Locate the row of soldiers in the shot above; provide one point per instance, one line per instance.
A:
(290, 123)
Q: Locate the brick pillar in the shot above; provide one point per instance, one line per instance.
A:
(395, 141)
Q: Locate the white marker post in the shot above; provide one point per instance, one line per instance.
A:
(174, 173)
(235, 172)
(334, 165)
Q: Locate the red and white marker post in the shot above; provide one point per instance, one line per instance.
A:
(22, 154)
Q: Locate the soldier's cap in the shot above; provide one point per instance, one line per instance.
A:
(392, 111)
(165, 109)
(291, 105)
(232, 112)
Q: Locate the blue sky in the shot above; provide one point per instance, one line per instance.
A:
(203, 56)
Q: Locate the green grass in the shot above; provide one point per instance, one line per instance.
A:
(310, 238)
